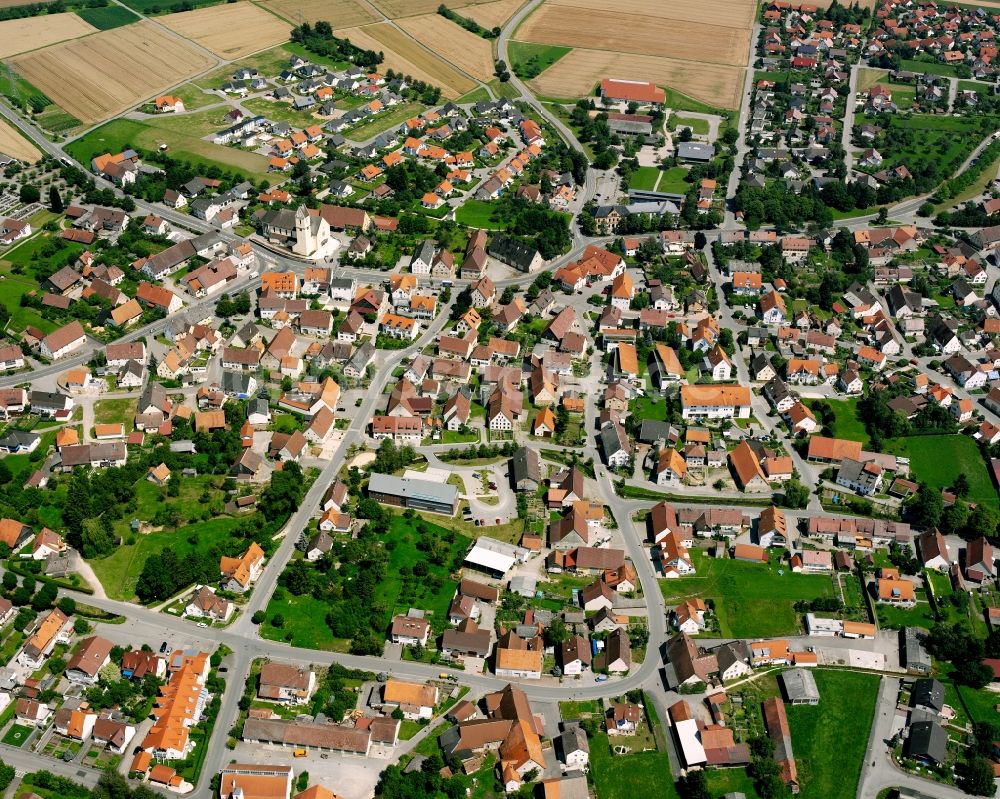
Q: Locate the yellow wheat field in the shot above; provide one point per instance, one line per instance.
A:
(722, 13)
(15, 145)
(99, 76)
(339, 13)
(231, 30)
(473, 54)
(578, 72)
(492, 15)
(22, 35)
(396, 9)
(632, 33)
(403, 54)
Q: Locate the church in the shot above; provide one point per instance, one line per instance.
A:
(305, 234)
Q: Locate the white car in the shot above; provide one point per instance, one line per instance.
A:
(202, 625)
(254, 274)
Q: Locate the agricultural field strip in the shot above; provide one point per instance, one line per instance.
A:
(341, 13)
(113, 70)
(231, 30)
(715, 13)
(493, 14)
(33, 33)
(404, 54)
(578, 72)
(632, 33)
(468, 52)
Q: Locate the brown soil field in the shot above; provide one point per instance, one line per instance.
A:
(492, 15)
(631, 33)
(14, 144)
(473, 54)
(339, 13)
(31, 33)
(724, 13)
(578, 72)
(404, 55)
(99, 76)
(231, 30)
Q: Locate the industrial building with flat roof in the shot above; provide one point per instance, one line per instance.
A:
(409, 492)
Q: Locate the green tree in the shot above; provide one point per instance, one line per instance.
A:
(55, 200)
(975, 777)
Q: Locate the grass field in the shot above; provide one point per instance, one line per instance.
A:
(115, 411)
(388, 119)
(928, 67)
(674, 180)
(869, 77)
(973, 86)
(181, 134)
(938, 460)
(644, 774)
(120, 570)
(829, 739)
(32, 33)
(751, 600)
(112, 70)
(478, 214)
(16, 735)
(107, 17)
(647, 407)
(305, 619)
(645, 177)
(848, 425)
(230, 30)
(698, 126)
(528, 59)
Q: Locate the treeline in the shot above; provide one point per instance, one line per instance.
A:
(469, 24)
(319, 39)
(962, 181)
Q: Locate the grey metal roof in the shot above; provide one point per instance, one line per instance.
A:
(413, 488)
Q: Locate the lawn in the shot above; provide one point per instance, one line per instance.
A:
(829, 739)
(193, 96)
(181, 134)
(107, 17)
(305, 621)
(478, 95)
(571, 711)
(119, 571)
(973, 86)
(16, 735)
(751, 600)
(869, 77)
(116, 411)
(674, 180)
(938, 460)
(478, 214)
(629, 776)
(279, 112)
(528, 60)
(384, 121)
(650, 407)
(698, 126)
(848, 424)
(645, 177)
(928, 67)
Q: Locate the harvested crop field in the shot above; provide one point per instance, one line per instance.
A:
(403, 54)
(724, 13)
(231, 30)
(492, 15)
(394, 9)
(30, 33)
(577, 73)
(634, 33)
(111, 71)
(452, 42)
(15, 145)
(339, 13)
